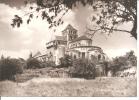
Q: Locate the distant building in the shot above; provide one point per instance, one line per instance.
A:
(71, 44)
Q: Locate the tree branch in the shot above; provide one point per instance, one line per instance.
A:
(117, 30)
(106, 28)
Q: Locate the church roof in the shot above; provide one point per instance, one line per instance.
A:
(95, 48)
(83, 37)
(57, 38)
(69, 27)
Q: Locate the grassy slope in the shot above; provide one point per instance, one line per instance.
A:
(70, 87)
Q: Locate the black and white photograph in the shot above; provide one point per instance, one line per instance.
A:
(68, 48)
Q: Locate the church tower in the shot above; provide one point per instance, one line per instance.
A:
(69, 33)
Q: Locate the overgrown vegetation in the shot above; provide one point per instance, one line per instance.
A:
(123, 62)
(33, 63)
(66, 61)
(48, 64)
(82, 68)
(9, 68)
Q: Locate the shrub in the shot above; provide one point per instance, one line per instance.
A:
(66, 61)
(123, 62)
(33, 63)
(82, 68)
(48, 64)
(133, 60)
(9, 68)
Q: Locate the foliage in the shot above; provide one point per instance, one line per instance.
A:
(9, 68)
(123, 62)
(104, 68)
(115, 66)
(127, 59)
(23, 63)
(48, 64)
(82, 68)
(33, 63)
(112, 13)
(66, 61)
(132, 58)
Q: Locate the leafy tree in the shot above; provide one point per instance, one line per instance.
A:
(132, 58)
(112, 13)
(33, 63)
(123, 62)
(82, 68)
(66, 61)
(9, 67)
(30, 55)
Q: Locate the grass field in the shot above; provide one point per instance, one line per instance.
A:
(70, 87)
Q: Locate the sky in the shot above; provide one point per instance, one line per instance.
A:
(19, 42)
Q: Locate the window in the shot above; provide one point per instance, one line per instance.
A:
(74, 56)
(79, 44)
(99, 57)
(83, 55)
(79, 54)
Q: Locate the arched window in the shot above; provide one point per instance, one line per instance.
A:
(99, 57)
(74, 56)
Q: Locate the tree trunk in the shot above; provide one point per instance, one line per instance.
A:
(134, 29)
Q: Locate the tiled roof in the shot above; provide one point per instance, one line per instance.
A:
(95, 48)
(91, 47)
(81, 38)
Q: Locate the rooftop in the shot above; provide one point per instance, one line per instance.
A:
(69, 27)
(83, 37)
(57, 38)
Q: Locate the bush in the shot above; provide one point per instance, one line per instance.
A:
(9, 68)
(66, 61)
(48, 64)
(82, 68)
(33, 63)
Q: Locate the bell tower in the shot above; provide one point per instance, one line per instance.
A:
(69, 33)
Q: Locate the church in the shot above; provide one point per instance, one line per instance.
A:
(69, 43)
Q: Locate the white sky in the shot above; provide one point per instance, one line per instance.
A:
(19, 42)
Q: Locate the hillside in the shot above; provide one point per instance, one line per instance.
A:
(71, 87)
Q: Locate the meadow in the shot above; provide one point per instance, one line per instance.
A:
(43, 86)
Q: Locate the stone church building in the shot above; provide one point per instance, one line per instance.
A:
(75, 46)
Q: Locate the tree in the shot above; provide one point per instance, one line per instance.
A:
(132, 58)
(83, 68)
(123, 62)
(32, 62)
(66, 61)
(9, 67)
(112, 13)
